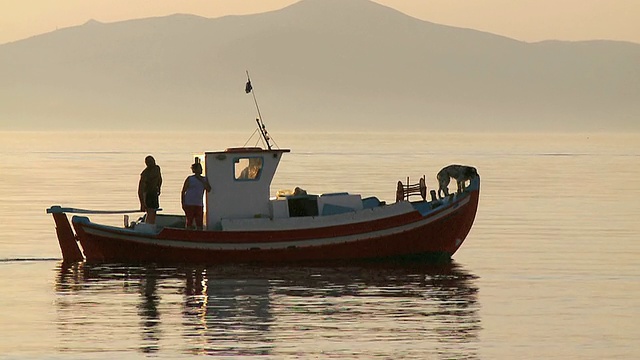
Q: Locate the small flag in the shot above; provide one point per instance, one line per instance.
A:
(248, 87)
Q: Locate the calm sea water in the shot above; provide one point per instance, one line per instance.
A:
(550, 270)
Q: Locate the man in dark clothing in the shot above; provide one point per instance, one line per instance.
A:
(149, 189)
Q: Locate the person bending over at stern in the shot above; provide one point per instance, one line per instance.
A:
(149, 189)
(192, 195)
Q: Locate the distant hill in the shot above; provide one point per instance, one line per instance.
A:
(317, 64)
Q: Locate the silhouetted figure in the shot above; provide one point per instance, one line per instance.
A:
(149, 189)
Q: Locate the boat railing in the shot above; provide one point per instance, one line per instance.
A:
(56, 209)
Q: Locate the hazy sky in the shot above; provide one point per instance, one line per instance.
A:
(528, 20)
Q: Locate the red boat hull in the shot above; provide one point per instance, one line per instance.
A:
(437, 234)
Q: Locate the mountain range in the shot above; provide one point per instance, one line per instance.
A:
(315, 65)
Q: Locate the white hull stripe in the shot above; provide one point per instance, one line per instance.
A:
(274, 245)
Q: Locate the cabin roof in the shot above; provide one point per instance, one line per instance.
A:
(235, 150)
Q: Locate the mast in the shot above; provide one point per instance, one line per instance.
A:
(263, 130)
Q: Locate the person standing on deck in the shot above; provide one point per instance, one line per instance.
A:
(149, 189)
(191, 196)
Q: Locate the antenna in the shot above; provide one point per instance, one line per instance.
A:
(263, 130)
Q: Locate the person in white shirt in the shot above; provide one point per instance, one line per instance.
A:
(192, 196)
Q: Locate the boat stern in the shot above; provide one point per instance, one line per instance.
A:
(66, 238)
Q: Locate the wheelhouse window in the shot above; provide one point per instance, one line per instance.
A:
(248, 168)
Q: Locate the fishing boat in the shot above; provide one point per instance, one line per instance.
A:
(245, 222)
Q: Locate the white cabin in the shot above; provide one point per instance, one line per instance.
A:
(240, 181)
(241, 178)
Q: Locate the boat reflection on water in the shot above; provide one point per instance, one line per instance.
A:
(387, 311)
